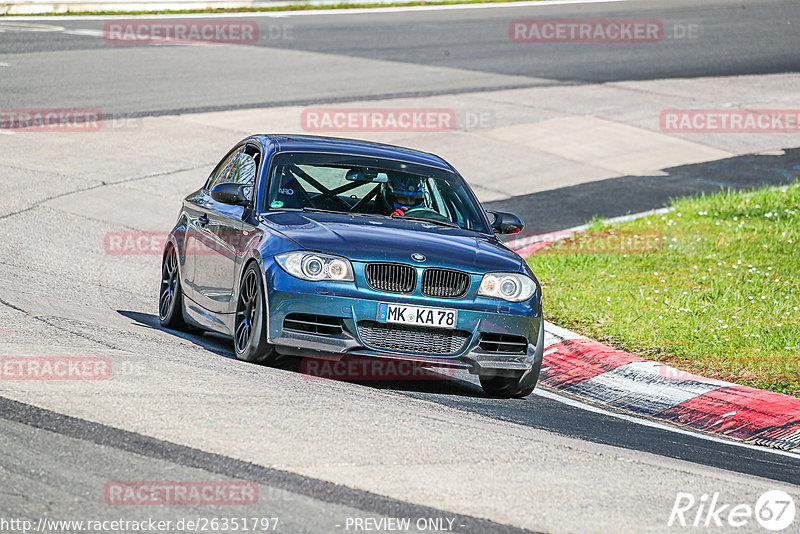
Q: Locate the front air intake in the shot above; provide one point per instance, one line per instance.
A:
(313, 324)
(503, 344)
(415, 339)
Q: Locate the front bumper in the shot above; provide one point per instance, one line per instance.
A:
(353, 304)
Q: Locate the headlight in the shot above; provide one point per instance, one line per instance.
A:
(512, 287)
(314, 266)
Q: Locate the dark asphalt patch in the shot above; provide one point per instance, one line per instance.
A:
(567, 207)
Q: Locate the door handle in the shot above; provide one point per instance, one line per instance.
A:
(202, 220)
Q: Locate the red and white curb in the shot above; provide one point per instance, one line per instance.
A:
(589, 370)
(592, 371)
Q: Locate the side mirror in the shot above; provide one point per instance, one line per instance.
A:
(230, 193)
(506, 223)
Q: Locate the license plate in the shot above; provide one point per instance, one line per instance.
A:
(438, 317)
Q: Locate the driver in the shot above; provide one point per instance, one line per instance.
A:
(403, 192)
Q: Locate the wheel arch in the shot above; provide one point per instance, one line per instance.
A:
(254, 257)
(177, 239)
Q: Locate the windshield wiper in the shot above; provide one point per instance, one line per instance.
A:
(424, 220)
(311, 209)
(308, 208)
(319, 210)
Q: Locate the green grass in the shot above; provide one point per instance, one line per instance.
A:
(292, 7)
(712, 287)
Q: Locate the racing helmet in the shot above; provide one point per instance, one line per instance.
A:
(404, 191)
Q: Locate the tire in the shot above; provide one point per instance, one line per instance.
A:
(508, 387)
(170, 295)
(249, 336)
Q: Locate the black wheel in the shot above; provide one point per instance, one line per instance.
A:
(170, 297)
(512, 387)
(506, 387)
(250, 336)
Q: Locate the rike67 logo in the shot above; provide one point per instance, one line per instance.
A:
(774, 510)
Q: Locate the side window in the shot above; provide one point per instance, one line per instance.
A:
(243, 169)
(224, 170)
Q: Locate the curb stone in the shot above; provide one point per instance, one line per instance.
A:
(596, 372)
(590, 370)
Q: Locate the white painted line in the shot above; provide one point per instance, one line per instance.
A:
(86, 33)
(15, 26)
(314, 12)
(4, 65)
(547, 394)
(446, 7)
(559, 334)
(634, 216)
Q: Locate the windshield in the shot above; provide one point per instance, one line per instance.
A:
(373, 186)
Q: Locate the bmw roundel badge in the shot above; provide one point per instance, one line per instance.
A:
(418, 257)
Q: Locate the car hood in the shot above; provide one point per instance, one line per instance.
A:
(394, 240)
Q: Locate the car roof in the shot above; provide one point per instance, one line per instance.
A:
(314, 143)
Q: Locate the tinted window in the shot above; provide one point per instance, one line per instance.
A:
(355, 184)
(240, 168)
(224, 170)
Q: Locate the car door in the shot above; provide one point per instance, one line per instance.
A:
(196, 207)
(214, 236)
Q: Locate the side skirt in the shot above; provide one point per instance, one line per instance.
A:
(196, 315)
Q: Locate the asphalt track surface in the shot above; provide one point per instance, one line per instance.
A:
(731, 38)
(474, 40)
(294, 499)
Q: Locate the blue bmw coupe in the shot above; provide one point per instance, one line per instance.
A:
(321, 247)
